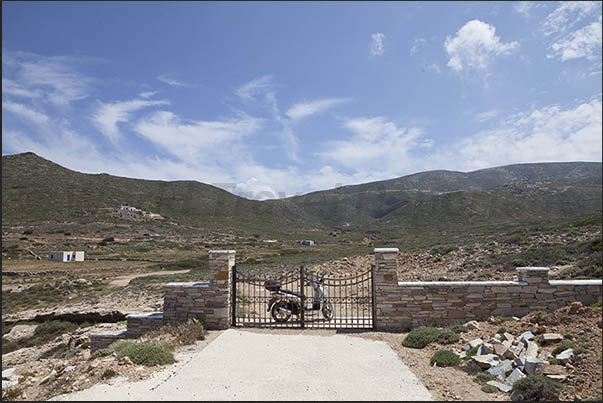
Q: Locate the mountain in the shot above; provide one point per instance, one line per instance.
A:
(35, 189)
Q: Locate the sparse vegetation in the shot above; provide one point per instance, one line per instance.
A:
(483, 377)
(445, 358)
(178, 334)
(108, 373)
(536, 387)
(422, 336)
(144, 353)
(489, 389)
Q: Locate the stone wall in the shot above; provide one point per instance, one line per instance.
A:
(405, 305)
(143, 322)
(104, 339)
(208, 302)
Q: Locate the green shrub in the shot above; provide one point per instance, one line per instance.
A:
(596, 398)
(457, 328)
(145, 353)
(473, 351)
(562, 347)
(489, 389)
(598, 304)
(109, 373)
(483, 377)
(421, 336)
(536, 387)
(447, 337)
(445, 358)
(181, 334)
(103, 352)
(501, 330)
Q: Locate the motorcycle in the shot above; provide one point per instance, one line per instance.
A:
(284, 303)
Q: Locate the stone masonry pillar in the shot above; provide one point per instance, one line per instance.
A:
(385, 280)
(538, 288)
(220, 275)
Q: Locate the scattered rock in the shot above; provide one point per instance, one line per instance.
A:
(501, 370)
(473, 325)
(551, 369)
(20, 332)
(49, 377)
(531, 350)
(514, 376)
(472, 344)
(519, 362)
(525, 337)
(545, 355)
(550, 338)
(508, 336)
(69, 368)
(500, 349)
(486, 361)
(565, 356)
(531, 365)
(8, 384)
(125, 361)
(501, 386)
(7, 373)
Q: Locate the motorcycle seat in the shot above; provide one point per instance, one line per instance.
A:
(291, 293)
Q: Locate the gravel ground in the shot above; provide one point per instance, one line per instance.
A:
(248, 365)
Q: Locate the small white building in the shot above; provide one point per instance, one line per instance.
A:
(124, 208)
(66, 256)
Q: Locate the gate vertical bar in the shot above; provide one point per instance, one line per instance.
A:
(303, 296)
(234, 296)
(373, 299)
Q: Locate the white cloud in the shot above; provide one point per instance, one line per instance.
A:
(416, 44)
(524, 7)
(147, 94)
(377, 47)
(304, 109)
(474, 45)
(542, 135)
(55, 79)
(435, 68)
(585, 42)
(25, 113)
(378, 144)
(485, 116)
(567, 14)
(193, 140)
(108, 115)
(11, 87)
(255, 87)
(170, 80)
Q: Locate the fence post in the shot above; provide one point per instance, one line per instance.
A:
(233, 301)
(386, 283)
(303, 296)
(221, 263)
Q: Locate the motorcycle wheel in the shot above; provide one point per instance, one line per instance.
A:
(279, 315)
(327, 310)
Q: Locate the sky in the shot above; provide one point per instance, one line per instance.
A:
(273, 99)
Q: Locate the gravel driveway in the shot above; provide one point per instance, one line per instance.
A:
(246, 365)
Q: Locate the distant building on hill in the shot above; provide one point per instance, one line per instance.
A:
(125, 209)
(307, 242)
(66, 256)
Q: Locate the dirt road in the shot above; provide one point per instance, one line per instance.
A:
(124, 280)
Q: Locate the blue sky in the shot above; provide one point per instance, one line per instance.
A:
(272, 99)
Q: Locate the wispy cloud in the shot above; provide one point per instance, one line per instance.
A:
(147, 94)
(567, 14)
(25, 113)
(261, 85)
(305, 109)
(475, 45)
(108, 115)
(485, 116)
(524, 7)
(11, 87)
(170, 80)
(377, 46)
(585, 42)
(417, 43)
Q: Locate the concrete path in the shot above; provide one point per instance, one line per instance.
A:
(244, 365)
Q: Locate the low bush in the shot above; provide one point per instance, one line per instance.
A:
(448, 337)
(173, 335)
(457, 329)
(483, 377)
(421, 336)
(145, 353)
(562, 347)
(536, 387)
(489, 389)
(472, 351)
(109, 373)
(445, 358)
(598, 304)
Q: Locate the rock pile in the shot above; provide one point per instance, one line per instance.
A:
(508, 358)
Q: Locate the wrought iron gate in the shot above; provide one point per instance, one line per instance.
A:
(350, 299)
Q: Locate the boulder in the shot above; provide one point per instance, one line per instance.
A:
(501, 386)
(531, 365)
(501, 370)
(500, 349)
(472, 344)
(20, 332)
(525, 337)
(565, 357)
(514, 376)
(486, 361)
(531, 350)
(508, 336)
(550, 338)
